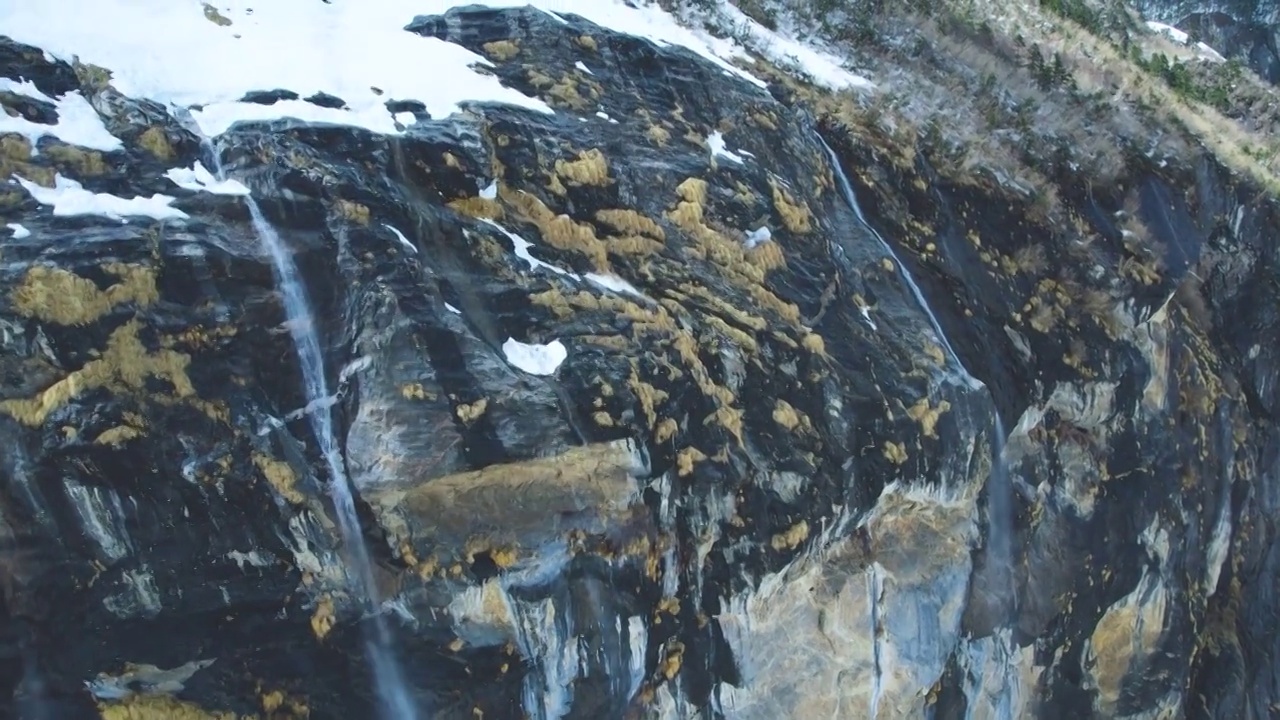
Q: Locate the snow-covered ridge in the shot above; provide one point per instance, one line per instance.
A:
(191, 54)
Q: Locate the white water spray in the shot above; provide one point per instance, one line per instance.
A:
(963, 375)
(388, 679)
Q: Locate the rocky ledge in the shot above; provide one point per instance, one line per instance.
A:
(643, 416)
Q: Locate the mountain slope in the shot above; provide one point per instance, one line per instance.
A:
(677, 368)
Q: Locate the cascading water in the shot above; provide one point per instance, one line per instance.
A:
(1000, 553)
(999, 498)
(965, 376)
(388, 679)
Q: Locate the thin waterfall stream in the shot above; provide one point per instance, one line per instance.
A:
(999, 514)
(389, 682)
(851, 199)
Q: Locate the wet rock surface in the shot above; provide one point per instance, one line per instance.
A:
(756, 486)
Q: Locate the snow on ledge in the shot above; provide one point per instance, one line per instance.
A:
(169, 51)
(69, 197)
(535, 359)
(19, 231)
(197, 178)
(78, 123)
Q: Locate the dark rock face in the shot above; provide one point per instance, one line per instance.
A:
(756, 487)
(1246, 30)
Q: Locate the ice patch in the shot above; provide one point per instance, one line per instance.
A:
(535, 359)
(78, 122)
(400, 236)
(19, 231)
(69, 197)
(715, 141)
(199, 179)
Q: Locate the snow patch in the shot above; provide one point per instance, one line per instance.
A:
(19, 231)
(757, 236)
(715, 141)
(521, 248)
(69, 197)
(452, 309)
(170, 52)
(199, 179)
(78, 123)
(583, 68)
(1174, 33)
(615, 284)
(822, 67)
(490, 192)
(400, 236)
(535, 359)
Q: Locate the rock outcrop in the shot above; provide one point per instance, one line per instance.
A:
(644, 413)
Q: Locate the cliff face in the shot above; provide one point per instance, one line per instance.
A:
(1247, 30)
(646, 412)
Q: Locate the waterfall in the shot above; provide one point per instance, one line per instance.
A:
(388, 678)
(964, 376)
(1000, 555)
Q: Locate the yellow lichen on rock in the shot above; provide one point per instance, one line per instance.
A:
(501, 50)
(928, 416)
(631, 222)
(591, 168)
(159, 707)
(117, 435)
(477, 207)
(155, 141)
(787, 416)
(895, 453)
(795, 215)
(324, 618)
(124, 365)
(83, 163)
(55, 295)
(560, 231)
(687, 458)
(353, 211)
(281, 477)
(791, 538)
(470, 412)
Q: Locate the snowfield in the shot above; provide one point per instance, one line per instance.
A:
(208, 56)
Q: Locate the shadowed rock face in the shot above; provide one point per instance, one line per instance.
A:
(753, 488)
(1246, 30)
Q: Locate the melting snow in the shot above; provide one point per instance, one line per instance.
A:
(69, 197)
(78, 123)
(199, 179)
(168, 51)
(757, 236)
(400, 236)
(535, 359)
(19, 231)
(614, 283)
(715, 141)
(824, 68)
(521, 247)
